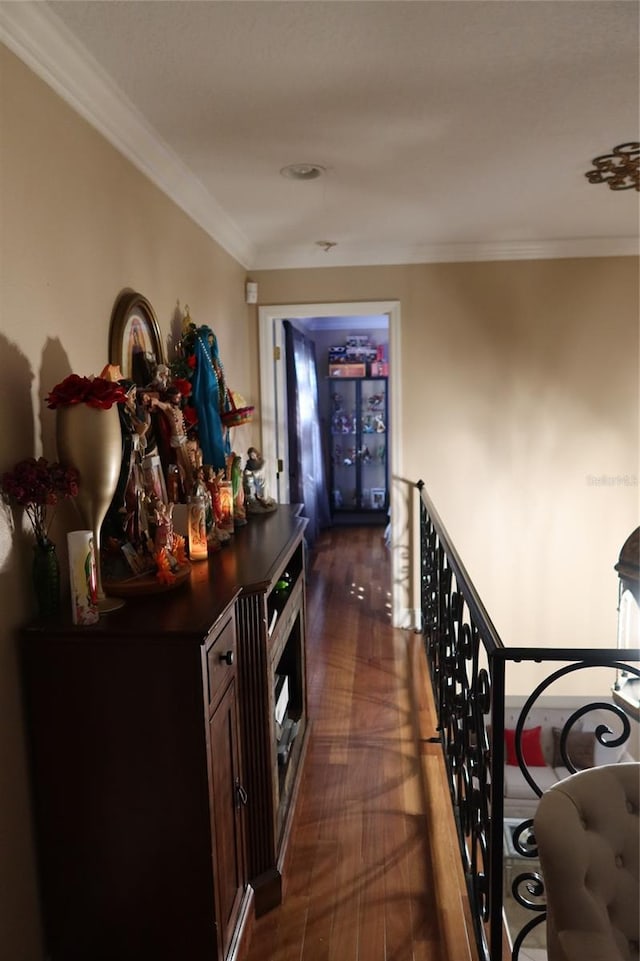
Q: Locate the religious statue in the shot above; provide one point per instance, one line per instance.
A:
(255, 486)
(216, 537)
(234, 473)
(171, 408)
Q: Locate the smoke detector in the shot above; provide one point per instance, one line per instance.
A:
(302, 171)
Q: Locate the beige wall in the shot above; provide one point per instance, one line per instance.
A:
(520, 411)
(78, 224)
(519, 384)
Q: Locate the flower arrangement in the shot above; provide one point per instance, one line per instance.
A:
(37, 486)
(96, 392)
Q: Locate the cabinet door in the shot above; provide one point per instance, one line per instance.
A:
(358, 445)
(228, 816)
(372, 442)
(344, 444)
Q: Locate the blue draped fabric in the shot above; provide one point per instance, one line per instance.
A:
(207, 388)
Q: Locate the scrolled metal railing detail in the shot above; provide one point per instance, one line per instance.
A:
(533, 923)
(600, 732)
(533, 884)
(468, 668)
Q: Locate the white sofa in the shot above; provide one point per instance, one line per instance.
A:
(520, 801)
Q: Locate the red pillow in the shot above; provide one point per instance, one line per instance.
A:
(530, 744)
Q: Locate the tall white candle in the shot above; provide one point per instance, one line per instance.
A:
(226, 506)
(83, 577)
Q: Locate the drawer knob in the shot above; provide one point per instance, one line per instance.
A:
(227, 658)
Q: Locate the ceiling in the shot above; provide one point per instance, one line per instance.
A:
(455, 130)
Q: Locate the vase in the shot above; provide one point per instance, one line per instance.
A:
(90, 439)
(46, 578)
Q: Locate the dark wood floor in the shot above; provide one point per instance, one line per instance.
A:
(359, 882)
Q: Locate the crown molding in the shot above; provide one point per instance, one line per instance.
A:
(46, 46)
(380, 255)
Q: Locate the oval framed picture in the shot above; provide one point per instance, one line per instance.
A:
(134, 338)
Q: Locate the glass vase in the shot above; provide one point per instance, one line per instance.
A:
(46, 578)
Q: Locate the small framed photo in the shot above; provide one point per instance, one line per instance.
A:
(378, 498)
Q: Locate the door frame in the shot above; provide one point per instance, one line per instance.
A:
(273, 408)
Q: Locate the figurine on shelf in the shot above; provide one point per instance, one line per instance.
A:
(212, 480)
(255, 488)
(163, 521)
(125, 518)
(234, 472)
(135, 423)
(216, 537)
(379, 425)
(349, 424)
(171, 408)
(161, 378)
(194, 452)
(175, 488)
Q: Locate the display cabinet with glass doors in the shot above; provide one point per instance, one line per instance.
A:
(358, 449)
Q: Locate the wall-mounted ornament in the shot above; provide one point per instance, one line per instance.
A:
(620, 168)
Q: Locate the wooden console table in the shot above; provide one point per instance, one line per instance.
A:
(162, 809)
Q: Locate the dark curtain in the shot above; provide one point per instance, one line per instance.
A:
(307, 474)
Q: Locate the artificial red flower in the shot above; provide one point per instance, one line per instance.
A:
(182, 384)
(37, 485)
(190, 415)
(191, 361)
(94, 391)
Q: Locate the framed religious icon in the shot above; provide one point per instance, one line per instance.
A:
(134, 338)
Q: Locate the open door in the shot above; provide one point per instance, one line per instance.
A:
(275, 426)
(307, 474)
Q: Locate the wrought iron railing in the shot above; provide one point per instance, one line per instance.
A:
(470, 671)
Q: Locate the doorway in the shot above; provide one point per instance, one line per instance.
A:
(273, 401)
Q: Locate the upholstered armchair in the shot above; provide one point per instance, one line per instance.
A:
(586, 827)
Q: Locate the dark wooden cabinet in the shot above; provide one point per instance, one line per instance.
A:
(229, 798)
(271, 616)
(121, 783)
(227, 794)
(154, 758)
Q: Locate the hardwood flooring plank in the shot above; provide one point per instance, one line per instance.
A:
(317, 932)
(346, 917)
(373, 938)
(359, 886)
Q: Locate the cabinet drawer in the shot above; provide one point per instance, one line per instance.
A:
(221, 659)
